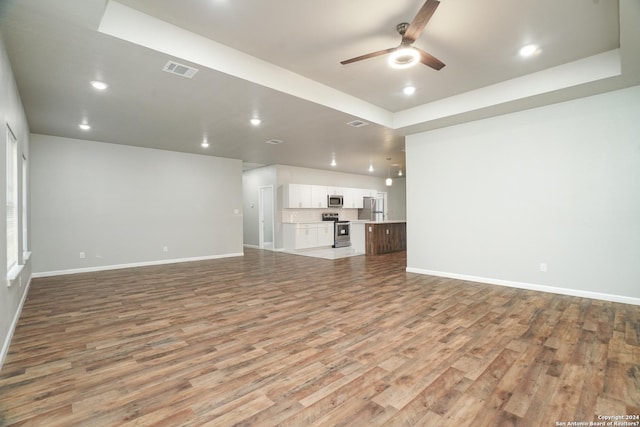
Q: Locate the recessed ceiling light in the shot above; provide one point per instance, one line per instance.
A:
(99, 85)
(370, 168)
(255, 121)
(84, 126)
(205, 143)
(333, 162)
(404, 58)
(274, 141)
(409, 90)
(529, 50)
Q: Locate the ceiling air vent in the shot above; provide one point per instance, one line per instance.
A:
(357, 123)
(180, 69)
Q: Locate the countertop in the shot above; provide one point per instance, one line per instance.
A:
(390, 221)
(353, 221)
(306, 222)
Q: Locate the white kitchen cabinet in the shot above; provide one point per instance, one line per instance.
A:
(307, 235)
(335, 191)
(353, 198)
(318, 196)
(325, 234)
(299, 236)
(358, 236)
(296, 196)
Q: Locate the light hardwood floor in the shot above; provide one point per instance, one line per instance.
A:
(279, 339)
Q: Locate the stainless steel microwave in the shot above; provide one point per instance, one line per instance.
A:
(334, 201)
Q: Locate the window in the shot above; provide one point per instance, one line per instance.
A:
(12, 199)
(25, 198)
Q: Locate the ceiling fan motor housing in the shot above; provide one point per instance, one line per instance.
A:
(402, 28)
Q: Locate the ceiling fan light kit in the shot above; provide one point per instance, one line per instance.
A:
(406, 55)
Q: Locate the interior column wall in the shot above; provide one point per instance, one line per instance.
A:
(554, 188)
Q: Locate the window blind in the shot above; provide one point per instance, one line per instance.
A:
(12, 199)
(25, 198)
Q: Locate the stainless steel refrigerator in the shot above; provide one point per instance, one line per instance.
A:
(373, 209)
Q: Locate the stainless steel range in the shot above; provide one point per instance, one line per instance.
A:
(341, 230)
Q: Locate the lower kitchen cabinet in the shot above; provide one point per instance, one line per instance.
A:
(325, 234)
(307, 235)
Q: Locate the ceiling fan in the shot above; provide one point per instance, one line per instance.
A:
(407, 55)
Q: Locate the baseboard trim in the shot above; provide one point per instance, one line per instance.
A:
(530, 286)
(7, 341)
(246, 245)
(131, 265)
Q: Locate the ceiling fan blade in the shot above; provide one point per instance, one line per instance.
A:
(368, 55)
(420, 21)
(429, 60)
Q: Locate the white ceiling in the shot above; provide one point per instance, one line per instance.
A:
(280, 60)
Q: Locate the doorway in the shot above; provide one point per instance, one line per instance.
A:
(266, 217)
(381, 204)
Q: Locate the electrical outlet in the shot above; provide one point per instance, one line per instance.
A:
(82, 255)
(543, 267)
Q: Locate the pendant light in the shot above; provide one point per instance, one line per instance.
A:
(388, 181)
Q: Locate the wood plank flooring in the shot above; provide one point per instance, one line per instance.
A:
(279, 339)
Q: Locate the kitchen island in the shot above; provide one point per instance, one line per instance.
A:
(379, 237)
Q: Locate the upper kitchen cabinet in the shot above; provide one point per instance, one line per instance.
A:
(295, 196)
(304, 196)
(318, 196)
(352, 198)
(335, 191)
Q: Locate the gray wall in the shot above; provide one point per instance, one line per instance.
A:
(397, 199)
(493, 199)
(121, 205)
(12, 113)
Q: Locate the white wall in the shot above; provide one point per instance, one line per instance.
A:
(12, 113)
(491, 200)
(121, 205)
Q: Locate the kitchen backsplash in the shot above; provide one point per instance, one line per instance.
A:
(315, 215)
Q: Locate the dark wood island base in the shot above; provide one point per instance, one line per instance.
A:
(385, 237)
